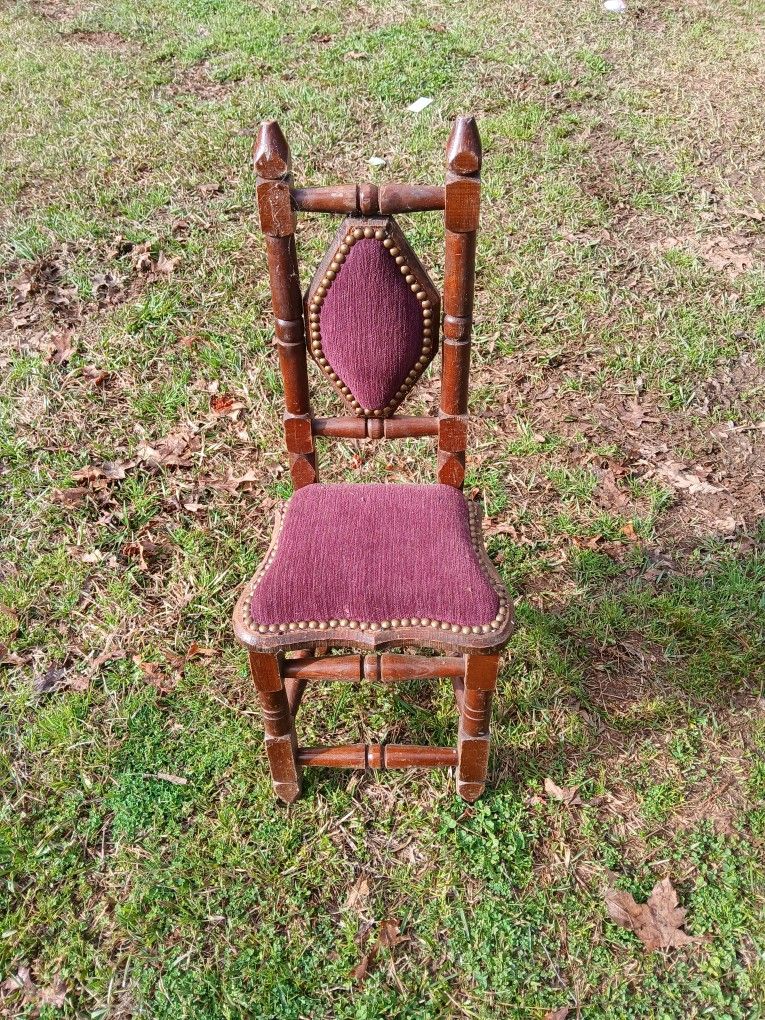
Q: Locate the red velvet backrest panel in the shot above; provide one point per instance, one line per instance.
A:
(372, 314)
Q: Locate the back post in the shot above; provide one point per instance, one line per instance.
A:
(461, 215)
(277, 220)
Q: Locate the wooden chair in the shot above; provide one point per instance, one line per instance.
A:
(373, 567)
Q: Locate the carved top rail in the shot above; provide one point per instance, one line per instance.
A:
(369, 199)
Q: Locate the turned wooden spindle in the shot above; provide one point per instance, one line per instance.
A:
(277, 220)
(461, 214)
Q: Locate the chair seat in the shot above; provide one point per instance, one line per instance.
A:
(376, 565)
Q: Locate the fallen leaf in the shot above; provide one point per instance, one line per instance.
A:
(108, 289)
(196, 651)
(21, 981)
(608, 492)
(175, 450)
(568, 795)
(733, 254)
(164, 266)
(59, 678)
(96, 376)
(680, 477)
(224, 404)
(155, 675)
(143, 549)
(657, 923)
(233, 484)
(358, 895)
(53, 995)
(61, 349)
(70, 497)
(557, 1014)
(387, 938)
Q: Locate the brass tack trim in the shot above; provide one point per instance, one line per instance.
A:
(254, 628)
(319, 296)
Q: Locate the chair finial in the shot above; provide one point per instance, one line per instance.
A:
(272, 153)
(463, 150)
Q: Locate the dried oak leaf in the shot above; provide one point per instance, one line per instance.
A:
(359, 894)
(59, 678)
(557, 1014)
(70, 497)
(108, 289)
(568, 795)
(175, 450)
(144, 550)
(155, 675)
(243, 483)
(680, 477)
(96, 376)
(387, 938)
(53, 995)
(657, 923)
(61, 349)
(223, 404)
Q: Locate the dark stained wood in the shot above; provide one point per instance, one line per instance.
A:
(387, 667)
(480, 672)
(463, 150)
(404, 756)
(295, 690)
(273, 166)
(341, 428)
(332, 667)
(410, 428)
(271, 154)
(397, 427)
(367, 199)
(461, 214)
(377, 756)
(400, 198)
(278, 723)
(475, 715)
(343, 199)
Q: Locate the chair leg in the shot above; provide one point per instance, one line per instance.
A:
(475, 714)
(279, 726)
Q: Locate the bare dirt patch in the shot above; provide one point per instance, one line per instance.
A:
(112, 42)
(56, 10)
(197, 81)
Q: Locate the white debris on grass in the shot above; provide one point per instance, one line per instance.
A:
(377, 161)
(614, 6)
(419, 104)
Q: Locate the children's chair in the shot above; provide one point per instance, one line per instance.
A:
(366, 568)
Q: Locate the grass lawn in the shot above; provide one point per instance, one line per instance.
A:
(619, 450)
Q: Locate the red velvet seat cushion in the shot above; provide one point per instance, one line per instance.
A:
(376, 553)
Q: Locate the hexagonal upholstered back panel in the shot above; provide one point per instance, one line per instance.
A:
(373, 316)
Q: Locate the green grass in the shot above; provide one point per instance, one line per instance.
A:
(622, 157)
